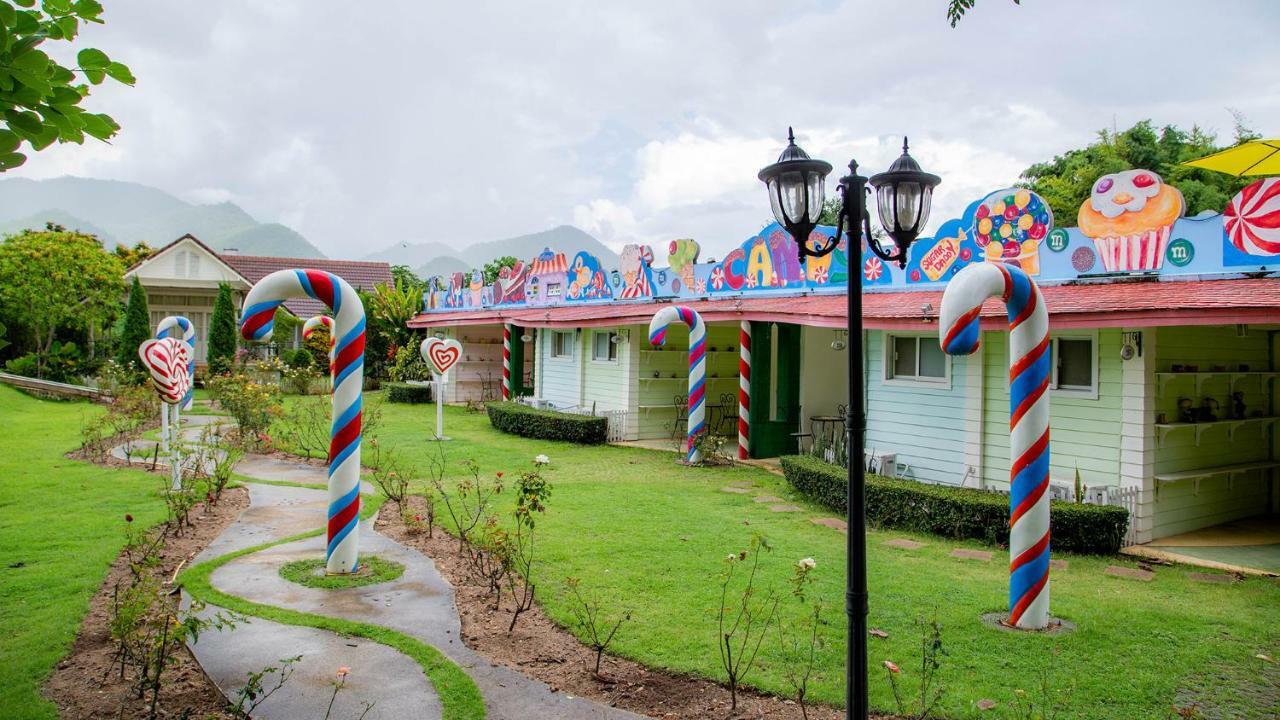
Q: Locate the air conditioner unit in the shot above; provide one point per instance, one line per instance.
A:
(882, 464)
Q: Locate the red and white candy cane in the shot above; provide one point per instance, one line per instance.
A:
(697, 367)
(315, 323)
(342, 549)
(1029, 361)
(506, 361)
(744, 389)
(166, 360)
(183, 329)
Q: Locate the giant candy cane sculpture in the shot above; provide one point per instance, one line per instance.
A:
(744, 389)
(697, 366)
(342, 551)
(177, 326)
(506, 361)
(1029, 360)
(315, 323)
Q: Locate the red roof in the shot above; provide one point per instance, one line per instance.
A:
(360, 274)
(1111, 304)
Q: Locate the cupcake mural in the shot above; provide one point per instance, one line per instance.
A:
(1129, 216)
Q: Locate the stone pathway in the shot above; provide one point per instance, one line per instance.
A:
(419, 603)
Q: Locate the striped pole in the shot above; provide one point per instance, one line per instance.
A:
(315, 323)
(342, 549)
(1029, 360)
(506, 361)
(177, 326)
(744, 389)
(697, 367)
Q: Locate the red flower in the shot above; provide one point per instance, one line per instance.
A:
(499, 474)
(891, 667)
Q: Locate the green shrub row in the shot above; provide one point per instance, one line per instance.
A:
(398, 392)
(960, 513)
(518, 419)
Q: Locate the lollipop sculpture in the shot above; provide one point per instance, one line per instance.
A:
(315, 323)
(167, 360)
(697, 367)
(1029, 359)
(342, 549)
(177, 326)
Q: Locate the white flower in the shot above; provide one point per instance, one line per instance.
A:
(733, 557)
(807, 564)
(542, 460)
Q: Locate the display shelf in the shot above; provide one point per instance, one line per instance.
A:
(1164, 378)
(1199, 474)
(1163, 429)
(685, 379)
(684, 351)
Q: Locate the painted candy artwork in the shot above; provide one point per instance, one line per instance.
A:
(1130, 224)
(1129, 216)
(342, 531)
(1030, 357)
(1251, 222)
(183, 329)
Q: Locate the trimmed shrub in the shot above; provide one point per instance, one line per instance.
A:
(299, 359)
(517, 419)
(960, 513)
(398, 392)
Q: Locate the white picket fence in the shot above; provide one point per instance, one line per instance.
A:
(1126, 498)
(617, 418)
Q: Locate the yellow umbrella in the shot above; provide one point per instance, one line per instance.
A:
(1256, 157)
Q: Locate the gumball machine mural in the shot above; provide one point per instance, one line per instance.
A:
(1010, 227)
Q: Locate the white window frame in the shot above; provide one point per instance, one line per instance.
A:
(913, 380)
(554, 351)
(554, 289)
(1091, 392)
(611, 351)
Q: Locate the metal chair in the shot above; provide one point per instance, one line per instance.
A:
(680, 424)
(728, 414)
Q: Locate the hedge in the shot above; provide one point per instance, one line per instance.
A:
(406, 393)
(518, 419)
(960, 513)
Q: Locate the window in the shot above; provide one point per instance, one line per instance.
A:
(1074, 367)
(553, 290)
(914, 358)
(604, 346)
(561, 344)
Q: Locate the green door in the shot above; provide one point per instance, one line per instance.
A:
(775, 389)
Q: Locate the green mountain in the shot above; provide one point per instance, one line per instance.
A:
(124, 212)
(433, 258)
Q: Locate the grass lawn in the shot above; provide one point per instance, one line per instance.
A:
(650, 536)
(61, 525)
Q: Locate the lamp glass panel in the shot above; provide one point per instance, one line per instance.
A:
(793, 196)
(926, 199)
(884, 205)
(774, 203)
(907, 205)
(817, 195)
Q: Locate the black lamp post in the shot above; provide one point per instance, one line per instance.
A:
(903, 195)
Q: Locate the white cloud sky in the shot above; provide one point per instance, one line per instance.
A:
(466, 122)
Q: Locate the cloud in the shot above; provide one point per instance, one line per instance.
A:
(465, 122)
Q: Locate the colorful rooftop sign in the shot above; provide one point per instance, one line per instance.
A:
(1130, 225)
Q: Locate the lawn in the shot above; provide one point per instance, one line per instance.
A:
(61, 525)
(651, 537)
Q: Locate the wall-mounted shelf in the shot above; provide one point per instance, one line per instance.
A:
(685, 351)
(1197, 475)
(1163, 429)
(684, 379)
(1164, 378)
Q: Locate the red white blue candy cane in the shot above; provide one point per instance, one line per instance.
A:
(315, 323)
(506, 361)
(1029, 360)
(744, 389)
(177, 326)
(342, 550)
(697, 367)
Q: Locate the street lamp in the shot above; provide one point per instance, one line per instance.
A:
(903, 195)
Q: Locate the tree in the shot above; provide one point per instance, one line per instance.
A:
(51, 281)
(957, 8)
(494, 266)
(137, 329)
(39, 97)
(222, 332)
(1067, 180)
(131, 256)
(394, 306)
(403, 275)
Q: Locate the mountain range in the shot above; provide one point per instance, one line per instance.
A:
(434, 258)
(124, 212)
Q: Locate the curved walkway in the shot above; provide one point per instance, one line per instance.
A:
(419, 604)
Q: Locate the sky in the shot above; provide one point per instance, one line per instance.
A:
(364, 125)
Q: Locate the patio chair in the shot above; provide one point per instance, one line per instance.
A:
(728, 414)
(679, 426)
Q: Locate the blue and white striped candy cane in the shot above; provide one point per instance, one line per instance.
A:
(180, 328)
(1029, 359)
(342, 549)
(697, 367)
